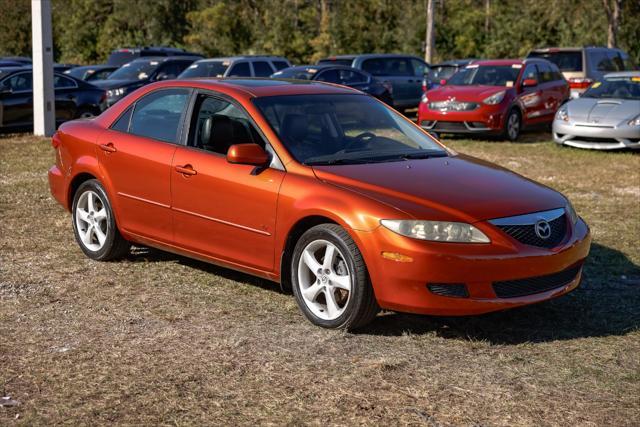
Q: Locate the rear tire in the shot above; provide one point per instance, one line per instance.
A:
(512, 125)
(94, 224)
(332, 292)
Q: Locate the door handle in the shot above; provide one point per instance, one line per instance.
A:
(109, 147)
(186, 170)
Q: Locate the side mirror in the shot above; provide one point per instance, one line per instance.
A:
(5, 90)
(529, 83)
(247, 154)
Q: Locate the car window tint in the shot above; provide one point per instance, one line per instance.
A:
(100, 75)
(19, 82)
(545, 73)
(262, 69)
(330, 76)
(240, 69)
(419, 68)
(388, 67)
(348, 77)
(217, 124)
(60, 82)
(601, 61)
(158, 114)
(280, 65)
(530, 72)
(122, 124)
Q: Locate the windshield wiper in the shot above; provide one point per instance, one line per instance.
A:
(428, 155)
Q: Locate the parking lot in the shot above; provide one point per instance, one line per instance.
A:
(161, 339)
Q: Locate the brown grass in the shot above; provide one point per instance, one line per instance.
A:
(160, 339)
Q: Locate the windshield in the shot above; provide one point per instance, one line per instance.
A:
(441, 72)
(615, 87)
(136, 70)
(206, 69)
(565, 60)
(344, 129)
(488, 75)
(295, 73)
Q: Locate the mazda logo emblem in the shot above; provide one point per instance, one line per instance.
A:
(542, 229)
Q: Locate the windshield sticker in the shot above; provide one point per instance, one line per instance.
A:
(596, 84)
(518, 66)
(509, 83)
(142, 76)
(226, 63)
(154, 62)
(635, 79)
(311, 70)
(193, 66)
(126, 65)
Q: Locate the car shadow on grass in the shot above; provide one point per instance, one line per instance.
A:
(526, 137)
(606, 303)
(144, 254)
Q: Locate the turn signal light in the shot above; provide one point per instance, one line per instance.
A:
(395, 256)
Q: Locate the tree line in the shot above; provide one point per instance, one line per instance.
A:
(85, 31)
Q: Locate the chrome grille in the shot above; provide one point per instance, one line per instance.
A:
(450, 105)
(523, 228)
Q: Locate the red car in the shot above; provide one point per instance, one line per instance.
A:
(495, 97)
(321, 188)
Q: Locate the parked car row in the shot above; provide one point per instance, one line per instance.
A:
(468, 96)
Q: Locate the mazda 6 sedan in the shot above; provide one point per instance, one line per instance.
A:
(320, 188)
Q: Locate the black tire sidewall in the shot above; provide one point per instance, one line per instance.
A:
(358, 277)
(108, 246)
(506, 124)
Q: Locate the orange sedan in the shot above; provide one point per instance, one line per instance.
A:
(318, 187)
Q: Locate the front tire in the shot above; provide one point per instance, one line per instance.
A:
(330, 279)
(94, 224)
(513, 125)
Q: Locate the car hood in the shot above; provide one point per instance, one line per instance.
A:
(602, 111)
(475, 93)
(114, 84)
(459, 188)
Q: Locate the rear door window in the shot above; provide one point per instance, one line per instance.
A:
(21, 82)
(262, 69)
(348, 77)
(602, 61)
(419, 68)
(280, 65)
(159, 115)
(388, 67)
(241, 69)
(545, 73)
(565, 60)
(329, 76)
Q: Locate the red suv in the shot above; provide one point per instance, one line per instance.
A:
(495, 96)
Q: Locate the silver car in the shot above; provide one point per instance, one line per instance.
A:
(605, 117)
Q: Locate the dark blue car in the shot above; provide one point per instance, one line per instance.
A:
(341, 75)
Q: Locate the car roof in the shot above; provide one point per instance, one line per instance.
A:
(503, 61)
(235, 58)
(260, 87)
(454, 62)
(323, 66)
(623, 74)
(162, 58)
(570, 49)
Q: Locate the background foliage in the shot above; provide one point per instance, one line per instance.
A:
(85, 31)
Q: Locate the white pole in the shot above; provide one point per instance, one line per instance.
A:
(44, 119)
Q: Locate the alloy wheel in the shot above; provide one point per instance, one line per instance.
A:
(324, 279)
(92, 220)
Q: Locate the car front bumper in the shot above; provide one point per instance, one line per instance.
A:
(484, 119)
(403, 286)
(586, 135)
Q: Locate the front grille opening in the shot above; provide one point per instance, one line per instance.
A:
(426, 123)
(526, 233)
(455, 290)
(535, 285)
(596, 139)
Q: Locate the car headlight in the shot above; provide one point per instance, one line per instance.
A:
(571, 213)
(437, 231)
(494, 99)
(424, 99)
(635, 121)
(115, 92)
(562, 114)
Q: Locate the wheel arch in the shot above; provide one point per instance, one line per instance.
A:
(294, 233)
(75, 183)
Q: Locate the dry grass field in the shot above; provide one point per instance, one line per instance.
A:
(161, 339)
